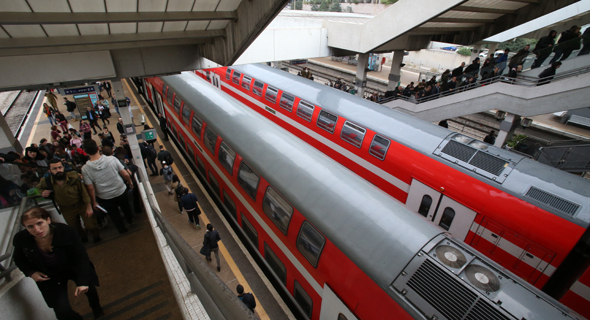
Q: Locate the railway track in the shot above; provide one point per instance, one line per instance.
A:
(15, 107)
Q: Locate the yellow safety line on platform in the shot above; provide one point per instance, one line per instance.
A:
(230, 261)
(35, 125)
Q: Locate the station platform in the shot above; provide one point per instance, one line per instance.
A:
(133, 277)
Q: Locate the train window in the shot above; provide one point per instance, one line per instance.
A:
(197, 125)
(287, 101)
(353, 134)
(169, 96)
(230, 205)
(342, 317)
(275, 264)
(447, 218)
(213, 182)
(228, 73)
(226, 157)
(174, 132)
(379, 147)
(235, 78)
(327, 121)
(425, 205)
(210, 139)
(181, 141)
(271, 94)
(305, 110)
(177, 103)
(257, 88)
(249, 180)
(191, 153)
(246, 82)
(249, 230)
(186, 114)
(277, 209)
(164, 88)
(310, 243)
(303, 299)
(200, 165)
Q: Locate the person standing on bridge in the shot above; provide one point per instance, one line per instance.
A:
(458, 72)
(569, 41)
(71, 107)
(547, 75)
(519, 58)
(544, 48)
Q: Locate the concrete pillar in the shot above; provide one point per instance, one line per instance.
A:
(7, 140)
(395, 74)
(361, 73)
(507, 128)
(476, 51)
(493, 47)
(126, 116)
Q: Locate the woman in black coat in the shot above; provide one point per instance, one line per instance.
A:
(547, 75)
(51, 254)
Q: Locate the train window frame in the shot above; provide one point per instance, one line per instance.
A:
(181, 141)
(373, 143)
(266, 96)
(322, 119)
(303, 115)
(273, 256)
(260, 88)
(213, 182)
(425, 197)
(169, 97)
(177, 104)
(444, 214)
(307, 299)
(249, 230)
(228, 74)
(207, 141)
(235, 75)
(201, 166)
(223, 151)
(290, 108)
(230, 204)
(355, 129)
(299, 245)
(198, 121)
(186, 117)
(248, 84)
(270, 213)
(164, 90)
(244, 184)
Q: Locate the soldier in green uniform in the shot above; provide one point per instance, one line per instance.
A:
(74, 202)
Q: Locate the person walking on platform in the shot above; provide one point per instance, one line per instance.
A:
(51, 98)
(107, 181)
(85, 129)
(246, 298)
(71, 107)
(120, 126)
(49, 111)
(62, 121)
(190, 203)
(163, 126)
(71, 196)
(211, 239)
(92, 118)
(150, 155)
(164, 155)
(52, 254)
(168, 175)
(108, 87)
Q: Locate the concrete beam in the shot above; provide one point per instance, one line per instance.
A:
(111, 17)
(254, 16)
(482, 10)
(18, 43)
(524, 1)
(461, 20)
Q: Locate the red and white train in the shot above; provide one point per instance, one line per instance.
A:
(530, 218)
(336, 246)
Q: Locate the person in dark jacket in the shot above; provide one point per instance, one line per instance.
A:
(585, 43)
(52, 254)
(547, 75)
(246, 298)
(502, 60)
(544, 48)
(490, 138)
(519, 57)
(211, 239)
(61, 120)
(568, 42)
(120, 127)
(164, 155)
(108, 88)
(443, 123)
(458, 72)
(163, 126)
(514, 71)
(473, 68)
(189, 202)
(92, 118)
(71, 107)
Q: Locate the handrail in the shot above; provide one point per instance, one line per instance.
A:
(526, 81)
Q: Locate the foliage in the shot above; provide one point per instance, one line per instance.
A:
(464, 51)
(517, 44)
(335, 7)
(517, 138)
(315, 7)
(298, 5)
(355, 1)
(388, 1)
(324, 6)
(348, 9)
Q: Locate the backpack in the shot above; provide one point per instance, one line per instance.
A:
(169, 159)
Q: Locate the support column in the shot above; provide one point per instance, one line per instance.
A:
(361, 73)
(7, 140)
(476, 51)
(126, 116)
(507, 128)
(493, 47)
(395, 74)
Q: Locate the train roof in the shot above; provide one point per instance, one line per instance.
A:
(556, 191)
(361, 220)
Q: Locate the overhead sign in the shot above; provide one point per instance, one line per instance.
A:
(79, 90)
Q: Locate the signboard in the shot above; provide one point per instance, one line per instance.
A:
(78, 90)
(85, 100)
(149, 134)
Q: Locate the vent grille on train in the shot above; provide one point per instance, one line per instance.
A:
(484, 311)
(459, 151)
(488, 163)
(446, 294)
(553, 201)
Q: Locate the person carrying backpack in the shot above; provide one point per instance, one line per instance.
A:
(151, 156)
(190, 203)
(164, 155)
(247, 298)
(168, 175)
(210, 245)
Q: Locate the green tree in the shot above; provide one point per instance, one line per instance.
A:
(464, 51)
(517, 44)
(324, 6)
(298, 5)
(315, 7)
(335, 7)
(388, 1)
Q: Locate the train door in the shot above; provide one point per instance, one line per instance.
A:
(440, 210)
(159, 104)
(333, 308)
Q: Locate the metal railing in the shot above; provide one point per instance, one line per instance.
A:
(524, 81)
